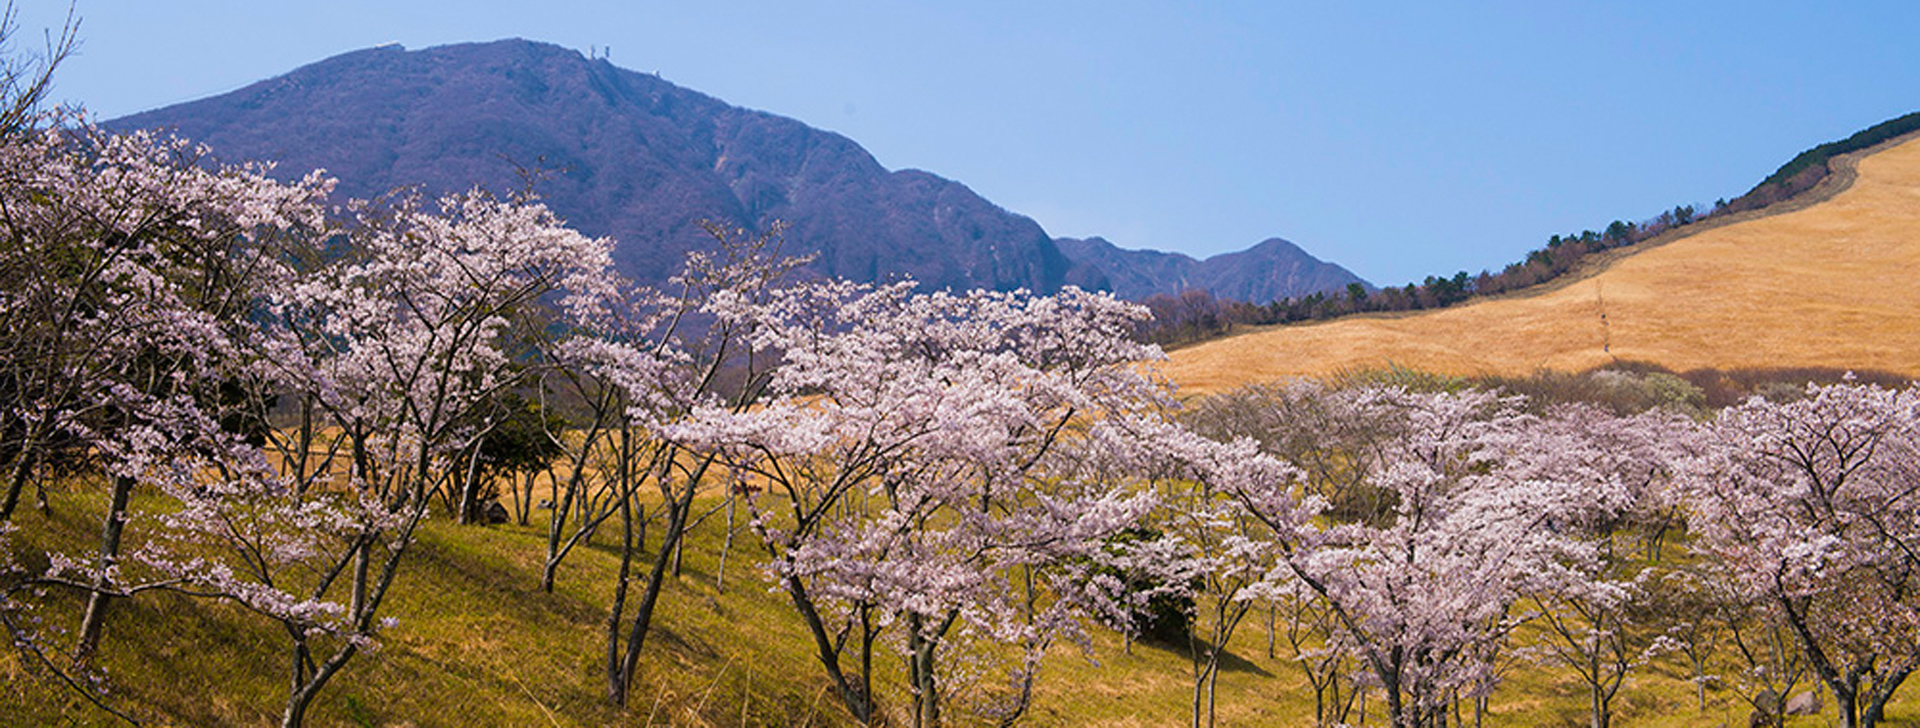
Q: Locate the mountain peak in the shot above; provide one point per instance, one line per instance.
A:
(624, 153)
(628, 154)
(1272, 269)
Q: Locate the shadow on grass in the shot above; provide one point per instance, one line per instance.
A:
(1194, 648)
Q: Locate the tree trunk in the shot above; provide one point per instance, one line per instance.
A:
(17, 481)
(720, 572)
(1202, 693)
(1882, 693)
(362, 561)
(857, 699)
(926, 690)
(524, 507)
(97, 599)
(650, 596)
(1270, 611)
(1320, 704)
(670, 542)
(1699, 681)
(618, 679)
(302, 697)
(470, 490)
(1213, 679)
(1599, 707)
(1396, 712)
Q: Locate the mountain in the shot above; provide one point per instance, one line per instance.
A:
(1273, 269)
(630, 155)
(1829, 280)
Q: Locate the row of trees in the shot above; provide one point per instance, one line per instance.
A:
(162, 313)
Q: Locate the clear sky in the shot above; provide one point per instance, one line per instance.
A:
(1398, 139)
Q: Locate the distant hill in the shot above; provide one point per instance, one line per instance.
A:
(638, 158)
(1271, 270)
(1829, 280)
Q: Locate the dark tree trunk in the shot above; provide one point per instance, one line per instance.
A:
(98, 598)
(857, 698)
(619, 680)
(17, 478)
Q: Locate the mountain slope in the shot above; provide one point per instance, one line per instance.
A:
(632, 156)
(1273, 269)
(629, 155)
(1835, 283)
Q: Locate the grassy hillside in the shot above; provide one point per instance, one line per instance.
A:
(1835, 283)
(479, 644)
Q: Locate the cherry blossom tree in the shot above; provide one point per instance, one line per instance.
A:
(663, 355)
(1426, 585)
(1808, 507)
(401, 341)
(1612, 473)
(1214, 550)
(928, 470)
(129, 271)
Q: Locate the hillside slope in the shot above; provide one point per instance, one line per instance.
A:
(478, 643)
(1832, 284)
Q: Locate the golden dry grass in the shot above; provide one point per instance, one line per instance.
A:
(1831, 284)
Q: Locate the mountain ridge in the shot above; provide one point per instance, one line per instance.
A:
(626, 154)
(1269, 270)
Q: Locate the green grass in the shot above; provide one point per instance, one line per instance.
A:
(479, 644)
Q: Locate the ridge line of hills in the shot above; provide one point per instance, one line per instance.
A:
(638, 158)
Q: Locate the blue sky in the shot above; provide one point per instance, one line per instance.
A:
(1398, 139)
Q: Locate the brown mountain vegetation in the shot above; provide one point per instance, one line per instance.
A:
(1827, 280)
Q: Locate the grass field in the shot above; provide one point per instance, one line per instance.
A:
(479, 644)
(1835, 283)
